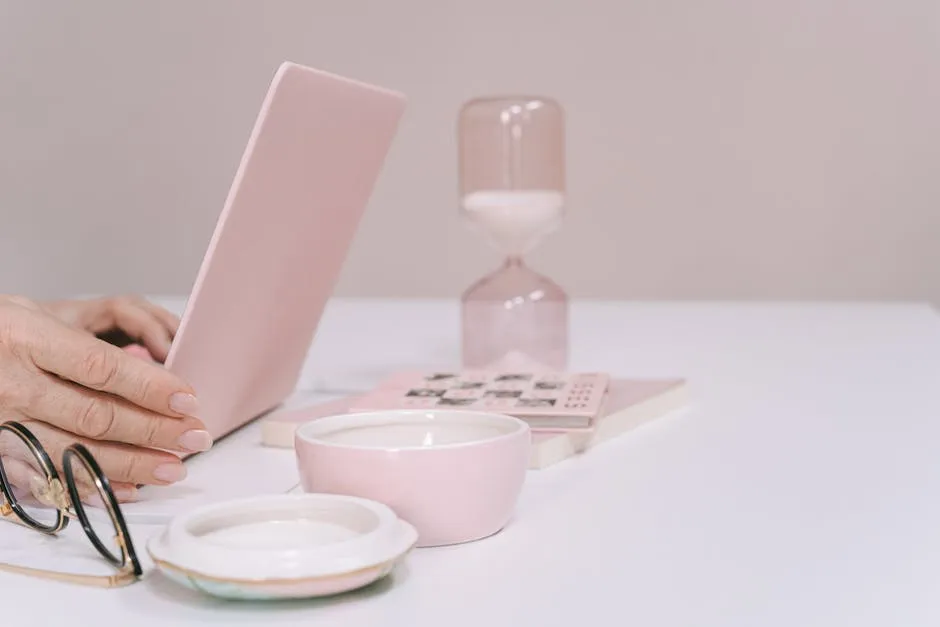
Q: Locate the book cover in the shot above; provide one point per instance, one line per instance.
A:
(631, 403)
(542, 399)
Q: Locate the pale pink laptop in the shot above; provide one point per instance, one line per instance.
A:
(313, 158)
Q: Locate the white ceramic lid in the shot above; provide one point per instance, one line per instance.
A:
(285, 536)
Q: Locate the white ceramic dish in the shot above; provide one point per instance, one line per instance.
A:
(455, 475)
(283, 546)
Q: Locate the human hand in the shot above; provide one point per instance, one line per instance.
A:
(120, 320)
(65, 385)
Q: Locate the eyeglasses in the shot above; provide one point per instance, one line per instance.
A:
(48, 506)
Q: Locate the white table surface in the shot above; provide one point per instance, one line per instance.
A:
(801, 488)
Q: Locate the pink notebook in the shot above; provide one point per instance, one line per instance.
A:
(544, 400)
(630, 405)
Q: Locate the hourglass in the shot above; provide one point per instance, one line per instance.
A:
(512, 188)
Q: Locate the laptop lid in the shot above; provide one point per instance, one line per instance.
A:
(305, 178)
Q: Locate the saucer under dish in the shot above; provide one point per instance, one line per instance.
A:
(283, 546)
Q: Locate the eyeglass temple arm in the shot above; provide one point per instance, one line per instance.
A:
(123, 578)
(101, 581)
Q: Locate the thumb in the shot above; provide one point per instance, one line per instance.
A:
(22, 478)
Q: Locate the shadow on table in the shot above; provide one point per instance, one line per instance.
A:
(168, 590)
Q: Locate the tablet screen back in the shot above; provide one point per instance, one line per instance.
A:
(312, 160)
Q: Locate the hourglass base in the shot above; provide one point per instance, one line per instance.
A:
(515, 310)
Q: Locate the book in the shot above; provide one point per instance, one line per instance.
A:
(278, 427)
(542, 399)
(629, 404)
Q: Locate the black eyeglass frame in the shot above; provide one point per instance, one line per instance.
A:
(54, 494)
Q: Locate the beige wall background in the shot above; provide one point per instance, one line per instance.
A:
(721, 149)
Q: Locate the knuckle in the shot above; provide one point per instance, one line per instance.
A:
(32, 396)
(139, 385)
(11, 329)
(96, 419)
(115, 303)
(129, 468)
(19, 393)
(152, 431)
(22, 301)
(125, 301)
(100, 369)
(11, 394)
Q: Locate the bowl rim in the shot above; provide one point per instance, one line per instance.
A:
(521, 428)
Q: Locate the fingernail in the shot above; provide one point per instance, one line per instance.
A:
(186, 404)
(169, 473)
(195, 440)
(126, 495)
(137, 351)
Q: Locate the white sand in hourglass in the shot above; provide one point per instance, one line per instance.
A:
(514, 219)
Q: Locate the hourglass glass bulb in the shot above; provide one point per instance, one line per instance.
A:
(514, 220)
(512, 187)
(512, 169)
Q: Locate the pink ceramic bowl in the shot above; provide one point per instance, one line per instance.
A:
(454, 475)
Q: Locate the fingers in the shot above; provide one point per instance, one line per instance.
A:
(132, 317)
(137, 322)
(26, 481)
(121, 463)
(101, 416)
(88, 488)
(97, 365)
(21, 475)
(72, 387)
(169, 320)
(123, 492)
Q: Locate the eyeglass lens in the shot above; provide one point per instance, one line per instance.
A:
(94, 507)
(26, 477)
